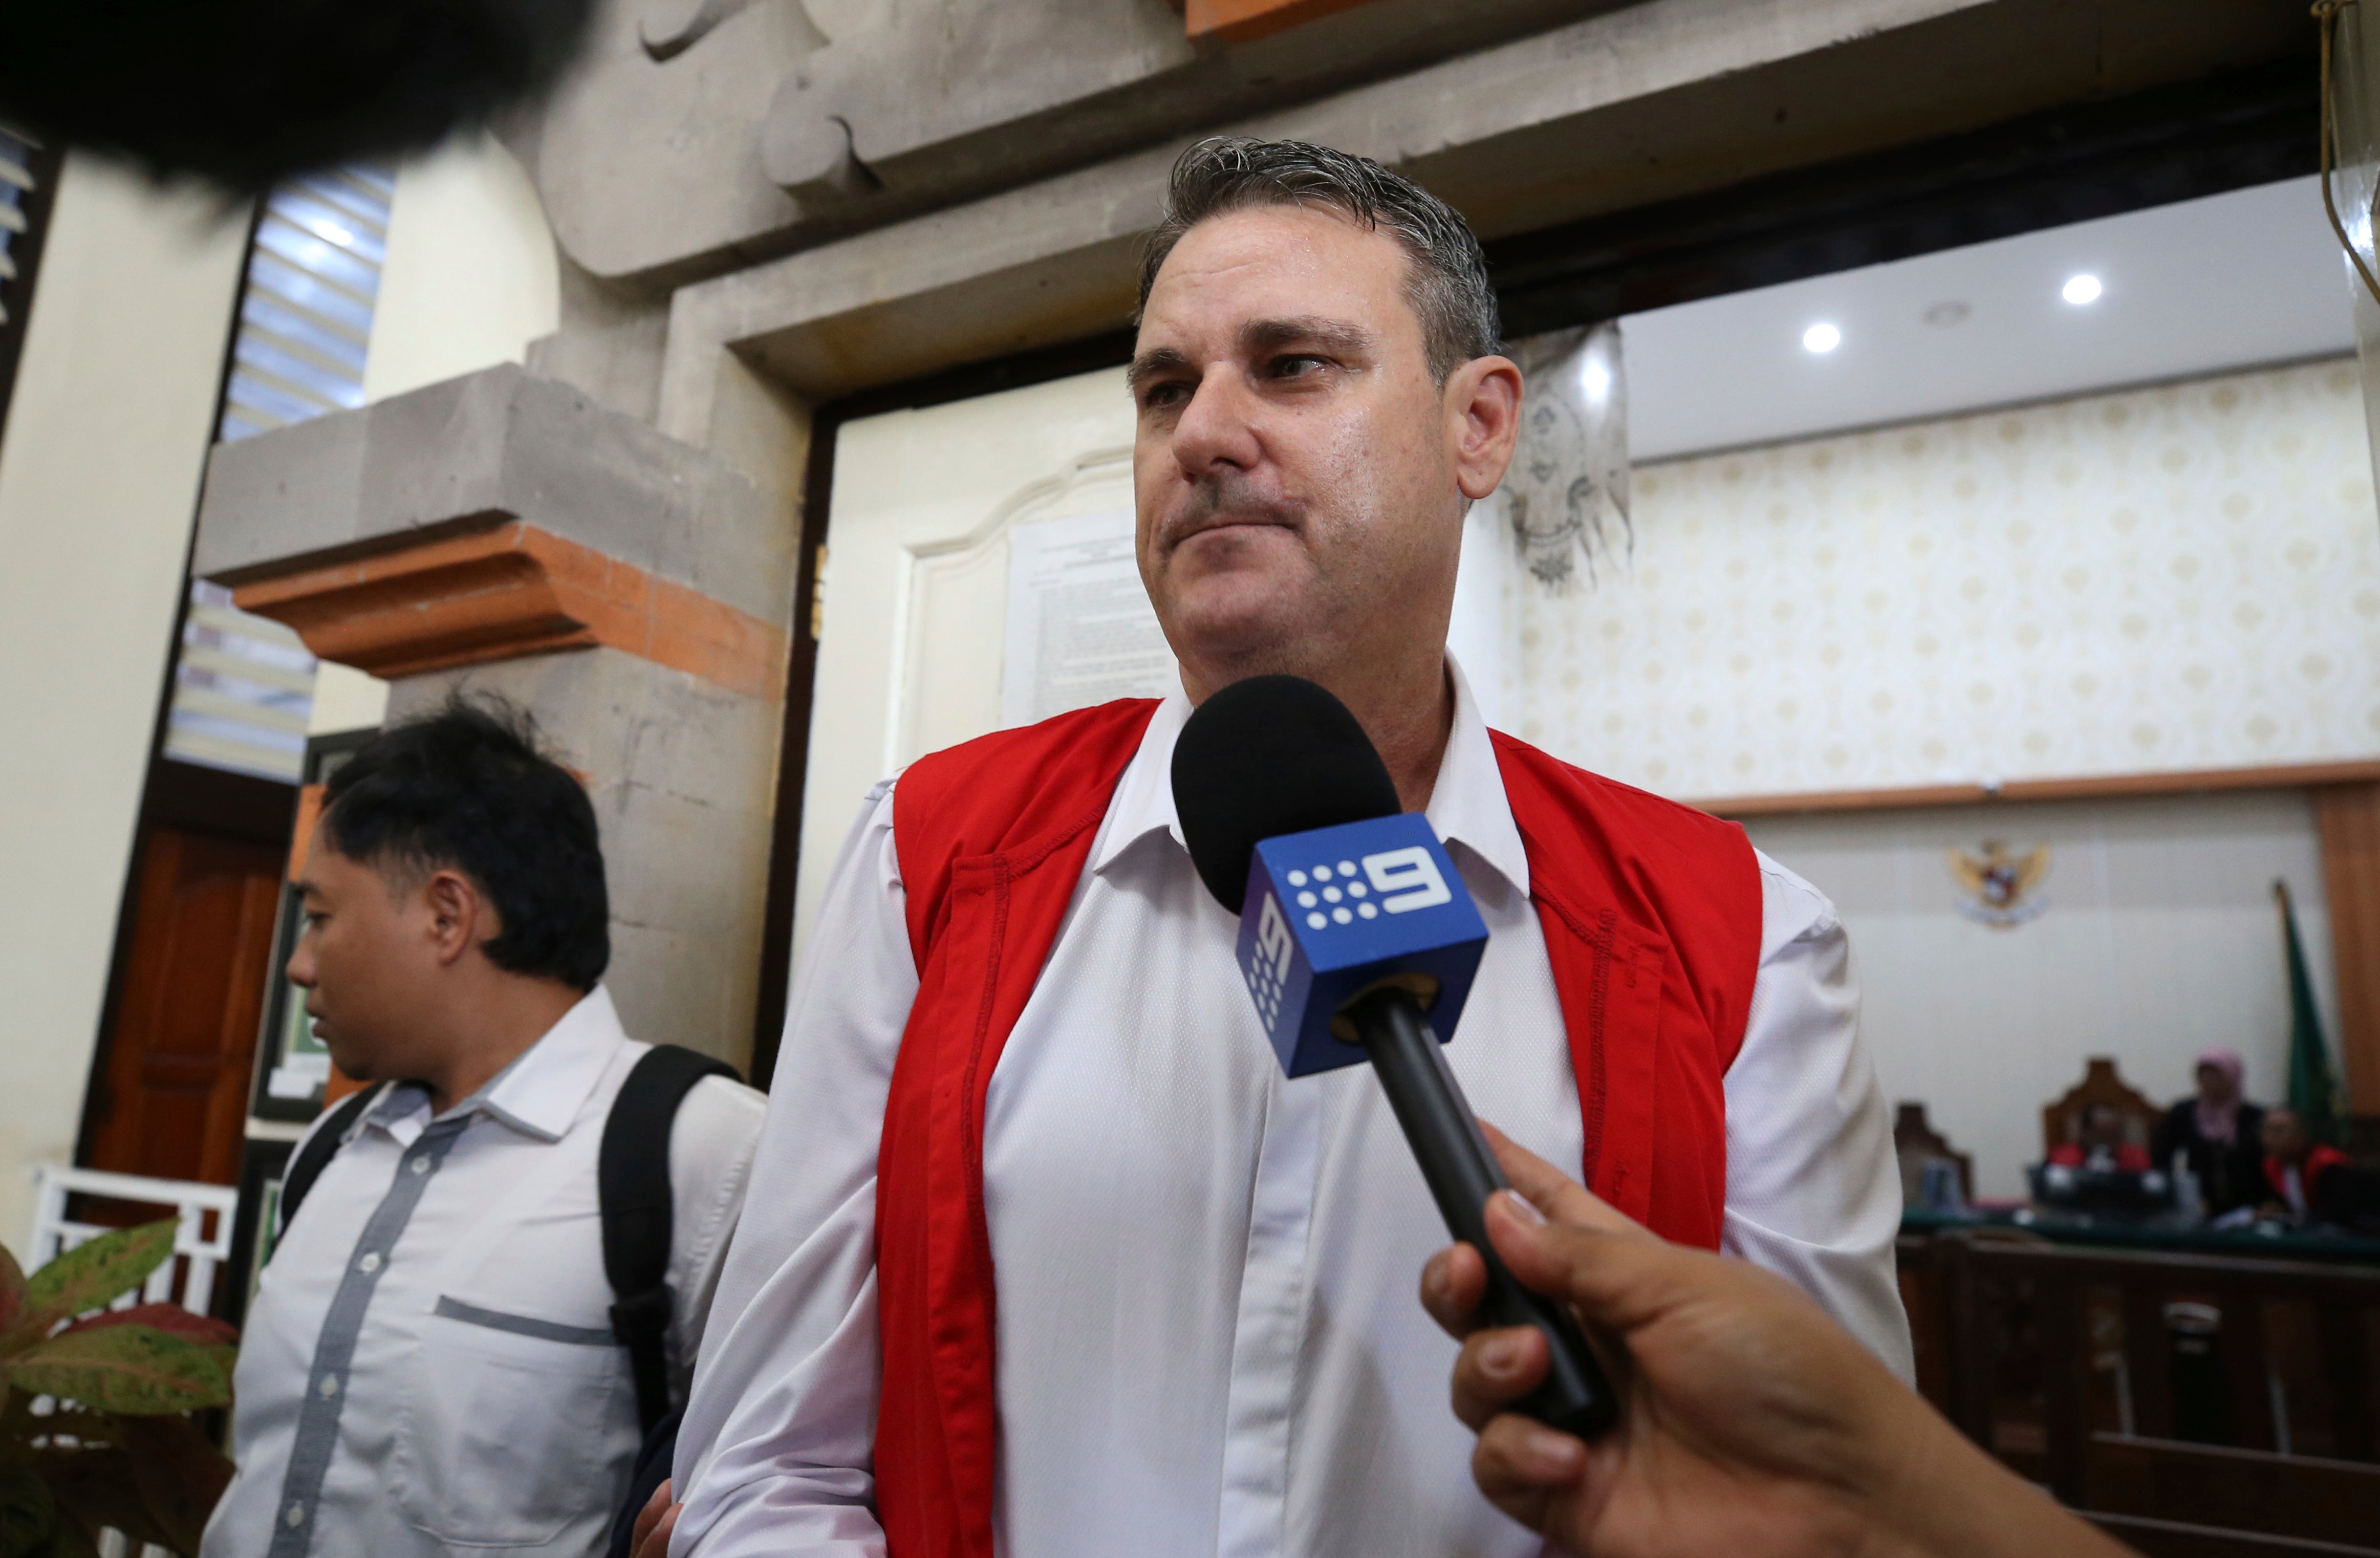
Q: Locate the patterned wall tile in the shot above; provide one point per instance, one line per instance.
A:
(2181, 576)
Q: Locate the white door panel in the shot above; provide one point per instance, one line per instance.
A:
(916, 577)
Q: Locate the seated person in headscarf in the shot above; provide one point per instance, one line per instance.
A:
(2099, 1145)
(2217, 1131)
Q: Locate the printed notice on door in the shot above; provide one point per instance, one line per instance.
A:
(1080, 629)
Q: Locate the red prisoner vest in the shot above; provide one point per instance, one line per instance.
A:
(1652, 916)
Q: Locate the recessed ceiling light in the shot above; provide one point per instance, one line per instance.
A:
(2082, 289)
(1948, 312)
(1821, 338)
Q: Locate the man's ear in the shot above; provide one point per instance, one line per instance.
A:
(1483, 409)
(459, 917)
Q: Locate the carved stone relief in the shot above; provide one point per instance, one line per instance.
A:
(1567, 492)
(701, 134)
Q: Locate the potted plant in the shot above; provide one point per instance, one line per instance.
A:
(94, 1428)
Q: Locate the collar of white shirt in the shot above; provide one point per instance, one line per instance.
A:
(1468, 806)
(539, 1094)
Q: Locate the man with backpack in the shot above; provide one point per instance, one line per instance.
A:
(495, 1261)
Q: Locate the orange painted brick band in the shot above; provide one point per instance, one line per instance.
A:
(1239, 22)
(508, 592)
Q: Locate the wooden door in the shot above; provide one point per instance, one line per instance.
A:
(172, 1102)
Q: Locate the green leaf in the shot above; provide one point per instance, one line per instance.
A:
(170, 1318)
(129, 1368)
(100, 1271)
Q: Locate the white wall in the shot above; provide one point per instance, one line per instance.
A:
(2160, 940)
(107, 433)
(471, 277)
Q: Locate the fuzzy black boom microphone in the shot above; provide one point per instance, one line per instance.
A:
(247, 92)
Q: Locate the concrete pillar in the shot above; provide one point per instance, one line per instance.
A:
(505, 531)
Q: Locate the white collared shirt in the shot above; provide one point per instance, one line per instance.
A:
(1209, 1343)
(429, 1364)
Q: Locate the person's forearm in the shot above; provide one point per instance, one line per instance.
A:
(1944, 1498)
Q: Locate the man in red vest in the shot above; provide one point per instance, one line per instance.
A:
(1042, 1255)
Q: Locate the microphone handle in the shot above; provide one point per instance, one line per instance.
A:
(1462, 1173)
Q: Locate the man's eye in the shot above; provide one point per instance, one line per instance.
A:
(1157, 395)
(1298, 365)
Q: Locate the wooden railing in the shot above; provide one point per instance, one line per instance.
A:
(2032, 1348)
(2205, 1487)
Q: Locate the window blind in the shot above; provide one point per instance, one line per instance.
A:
(243, 686)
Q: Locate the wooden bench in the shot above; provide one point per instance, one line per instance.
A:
(2177, 1538)
(2032, 1348)
(2196, 1494)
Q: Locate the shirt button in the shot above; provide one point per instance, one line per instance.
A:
(297, 1515)
(369, 1263)
(422, 1163)
(330, 1385)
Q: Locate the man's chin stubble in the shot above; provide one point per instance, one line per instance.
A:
(1251, 639)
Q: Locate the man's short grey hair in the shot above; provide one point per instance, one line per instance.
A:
(1446, 279)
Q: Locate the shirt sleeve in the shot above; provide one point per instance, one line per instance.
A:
(1813, 1190)
(711, 1142)
(775, 1454)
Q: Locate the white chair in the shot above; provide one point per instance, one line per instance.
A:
(201, 1244)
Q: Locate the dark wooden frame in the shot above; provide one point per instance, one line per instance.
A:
(262, 1166)
(2046, 169)
(323, 754)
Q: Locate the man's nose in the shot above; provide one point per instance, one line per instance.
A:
(300, 968)
(1217, 428)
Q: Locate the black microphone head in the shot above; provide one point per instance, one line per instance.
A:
(1265, 757)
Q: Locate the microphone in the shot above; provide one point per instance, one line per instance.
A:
(1358, 940)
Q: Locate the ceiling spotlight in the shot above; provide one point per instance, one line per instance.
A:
(2082, 289)
(1821, 338)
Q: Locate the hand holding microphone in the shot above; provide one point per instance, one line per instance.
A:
(1358, 940)
(1751, 1425)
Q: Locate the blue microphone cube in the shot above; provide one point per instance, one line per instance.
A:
(1331, 912)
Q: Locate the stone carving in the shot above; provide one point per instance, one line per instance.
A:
(1567, 493)
(669, 28)
(700, 133)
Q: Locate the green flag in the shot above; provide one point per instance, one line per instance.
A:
(2313, 1093)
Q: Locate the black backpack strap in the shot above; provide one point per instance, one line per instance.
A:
(317, 1152)
(632, 1183)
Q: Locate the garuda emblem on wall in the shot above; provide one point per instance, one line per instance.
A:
(2000, 886)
